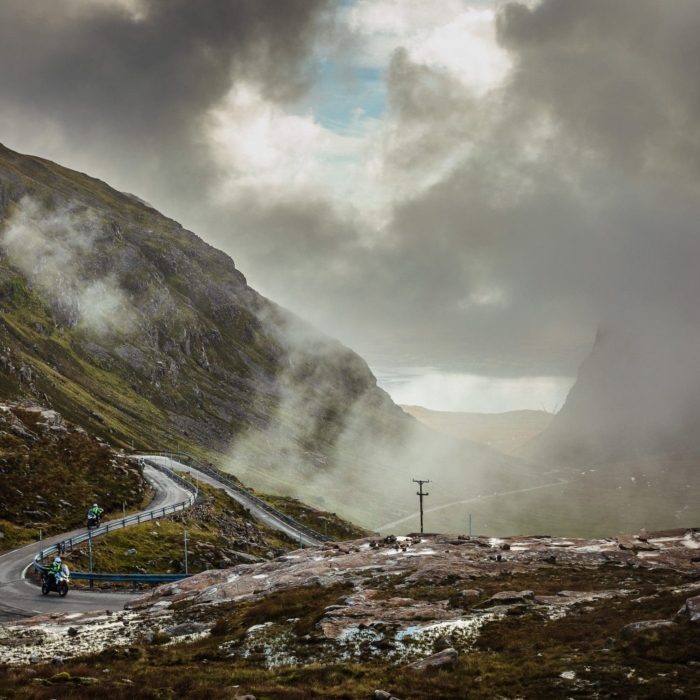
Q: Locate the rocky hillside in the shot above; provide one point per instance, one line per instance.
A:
(407, 617)
(52, 471)
(121, 317)
(127, 323)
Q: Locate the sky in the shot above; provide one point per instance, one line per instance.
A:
(466, 185)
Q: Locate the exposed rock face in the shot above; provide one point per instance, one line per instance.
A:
(432, 557)
(691, 609)
(365, 619)
(442, 659)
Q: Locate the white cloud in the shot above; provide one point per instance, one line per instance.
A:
(467, 48)
(450, 34)
(456, 391)
(260, 145)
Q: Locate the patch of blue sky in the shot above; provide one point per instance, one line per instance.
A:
(343, 98)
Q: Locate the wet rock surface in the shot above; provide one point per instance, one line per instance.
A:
(691, 609)
(379, 616)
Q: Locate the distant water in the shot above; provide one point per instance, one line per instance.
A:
(455, 391)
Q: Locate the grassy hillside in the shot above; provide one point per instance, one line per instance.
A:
(117, 310)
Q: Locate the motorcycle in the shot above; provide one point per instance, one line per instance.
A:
(93, 520)
(58, 583)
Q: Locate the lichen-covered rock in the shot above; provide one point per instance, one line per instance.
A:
(635, 628)
(511, 598)
(691, 609)
(448, 657)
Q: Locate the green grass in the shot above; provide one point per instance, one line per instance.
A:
(322, 521)
(216, 530)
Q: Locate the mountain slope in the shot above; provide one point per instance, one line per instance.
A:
(637, 394)
(129, 324)
(109, 304)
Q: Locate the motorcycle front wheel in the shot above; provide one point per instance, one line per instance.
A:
(62, 589)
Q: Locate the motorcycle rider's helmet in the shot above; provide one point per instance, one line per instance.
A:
(57, 560)
(94, 505)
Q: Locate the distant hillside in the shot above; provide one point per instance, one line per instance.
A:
(506, 432)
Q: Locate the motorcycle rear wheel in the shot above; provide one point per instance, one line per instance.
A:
(45, 588)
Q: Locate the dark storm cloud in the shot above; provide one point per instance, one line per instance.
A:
(566, 196)
(573, 199)
(132, 89)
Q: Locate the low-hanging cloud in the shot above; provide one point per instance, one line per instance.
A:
(55, 252)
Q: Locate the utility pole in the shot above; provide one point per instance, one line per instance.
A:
(186, 571)
(420, 494)
(90, 548)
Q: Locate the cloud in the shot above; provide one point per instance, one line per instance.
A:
(56, 252)
(143, 75)
(534, 172)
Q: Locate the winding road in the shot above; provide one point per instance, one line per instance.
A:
(20, 598)
(390, 525)
(256, 511)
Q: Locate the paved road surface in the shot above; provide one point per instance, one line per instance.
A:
(20, 597)
(255, 510)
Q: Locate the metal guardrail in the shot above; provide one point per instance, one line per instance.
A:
(129, 578)
(112, 525)
(265, 506)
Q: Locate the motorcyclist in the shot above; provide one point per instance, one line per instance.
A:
(55, 568)
(95, 511)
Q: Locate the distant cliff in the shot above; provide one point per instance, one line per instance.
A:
(636, 394)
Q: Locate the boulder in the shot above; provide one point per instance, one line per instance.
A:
(635, 628)
(691, 609)
(442, 643)
(511, 598)
(187, 628)
(443, 659)
(471, 593)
